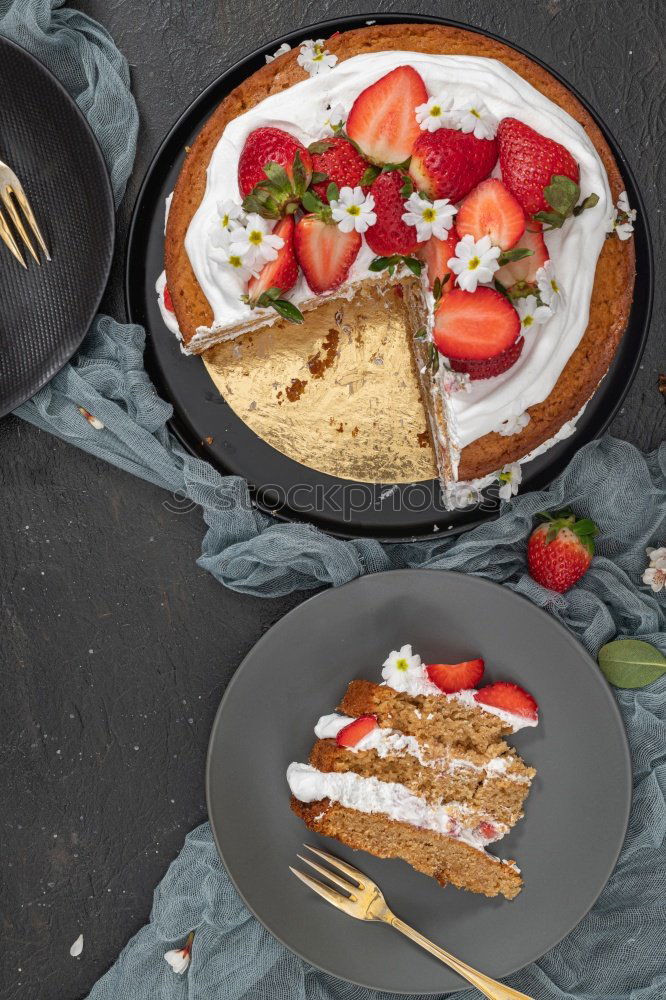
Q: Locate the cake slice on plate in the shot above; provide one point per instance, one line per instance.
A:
(418, 768)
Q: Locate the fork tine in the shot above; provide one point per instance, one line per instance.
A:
(21, 197)
(7, 201)
(331, 876)
(342, 866)
(323, 890)
(8, 239)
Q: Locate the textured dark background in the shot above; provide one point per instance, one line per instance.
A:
(115, 647)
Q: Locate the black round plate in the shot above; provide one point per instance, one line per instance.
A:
(45, 311)
(280, 485)
(575, 816)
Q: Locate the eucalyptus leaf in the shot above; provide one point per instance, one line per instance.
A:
(631, 663)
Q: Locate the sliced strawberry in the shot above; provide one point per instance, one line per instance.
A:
(168, 301)
(451, 677)
(382, 121)
(449, 163)
(475, 325)
(283, 271)
(525, 269)
(510, 698)
(491, 210)
(276, 196)
(324, 252)
(342, 164)
(436, 254)
(491, 366)
(528, 160)
(390, 235)
(352, 734)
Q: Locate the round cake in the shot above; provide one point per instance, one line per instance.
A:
(453, 166)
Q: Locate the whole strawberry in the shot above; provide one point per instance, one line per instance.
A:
(560, 551)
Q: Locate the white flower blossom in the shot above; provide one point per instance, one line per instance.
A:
(337, 116)
(657, 557)
(509, 479)
(225, 256)
(315, 58)
(475, 261)
(623, 218)
(436, 113)
(403, 670)
(285, 47)
(179, 958)
(531, 313)
(77, 948)
(550, 290)
(473, 116)
(230, 214)
(514, 425)
(431, 218)
(655, 574)
(254, 243)
(353, 210)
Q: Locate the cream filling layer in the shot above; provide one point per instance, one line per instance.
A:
(574, 249)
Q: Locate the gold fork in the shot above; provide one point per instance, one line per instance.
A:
(11, 195)
(364, 900)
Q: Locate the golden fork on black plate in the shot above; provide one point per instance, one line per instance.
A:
(12, 199)
(362, 898)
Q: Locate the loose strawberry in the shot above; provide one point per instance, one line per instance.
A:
(449, 163)
(324, 252)
(476, 325)
(382, 121)
(168, 301)
(528, 161)
(450, 677)
(436, 254)
(510, 698)
(274, 169)
(491, 366)
(283, 271)
(491, 210)
(560, 551)
(352, 734)
(525, 269)
(340, 162)
(390, 235)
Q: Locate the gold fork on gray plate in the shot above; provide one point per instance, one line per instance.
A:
(13, 198)
(364, 900)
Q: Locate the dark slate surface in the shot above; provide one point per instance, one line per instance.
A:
(115, 647)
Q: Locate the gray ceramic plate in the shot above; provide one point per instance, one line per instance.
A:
(576, 814)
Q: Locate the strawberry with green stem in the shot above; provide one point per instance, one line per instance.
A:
(559, 552)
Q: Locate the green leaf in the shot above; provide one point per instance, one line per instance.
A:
(562, 194)
(388, 167)
(413, 264)
(311, 203)
(278, 176)
(433, 359)
(369, 176)
(300, 178)
(332, 192)
(408, 187)
(551, 219)
(437, 289)
(589, 202)
(631, 663)
(319, 147)
(509, 255)
(287, 310)
(421, 334)
(318, 177)
(381, 263)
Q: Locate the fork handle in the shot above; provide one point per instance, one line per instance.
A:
(489, 987)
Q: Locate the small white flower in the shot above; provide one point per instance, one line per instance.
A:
(431, 218)
(451, 381)
(436, 113)
(279, 52)
(473, 116)
(461, 495)
(655, 578)
(510, 478)
(514, 425)
(475, 261)
(336, 119)
(230, 215)
(238, 264)
(353, 210)
(401, 668)
(179, 958)
(623, 206)
(77, 948)
(657, 557)
(531, 313)
(550, 290)
(622, 220)
(255, 244)
(315, 58)
(93, 421)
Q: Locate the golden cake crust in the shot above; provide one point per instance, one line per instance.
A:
(614, 280)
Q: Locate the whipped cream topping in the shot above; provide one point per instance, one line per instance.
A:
(303, 109)
(389, 742)
(369, 795)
